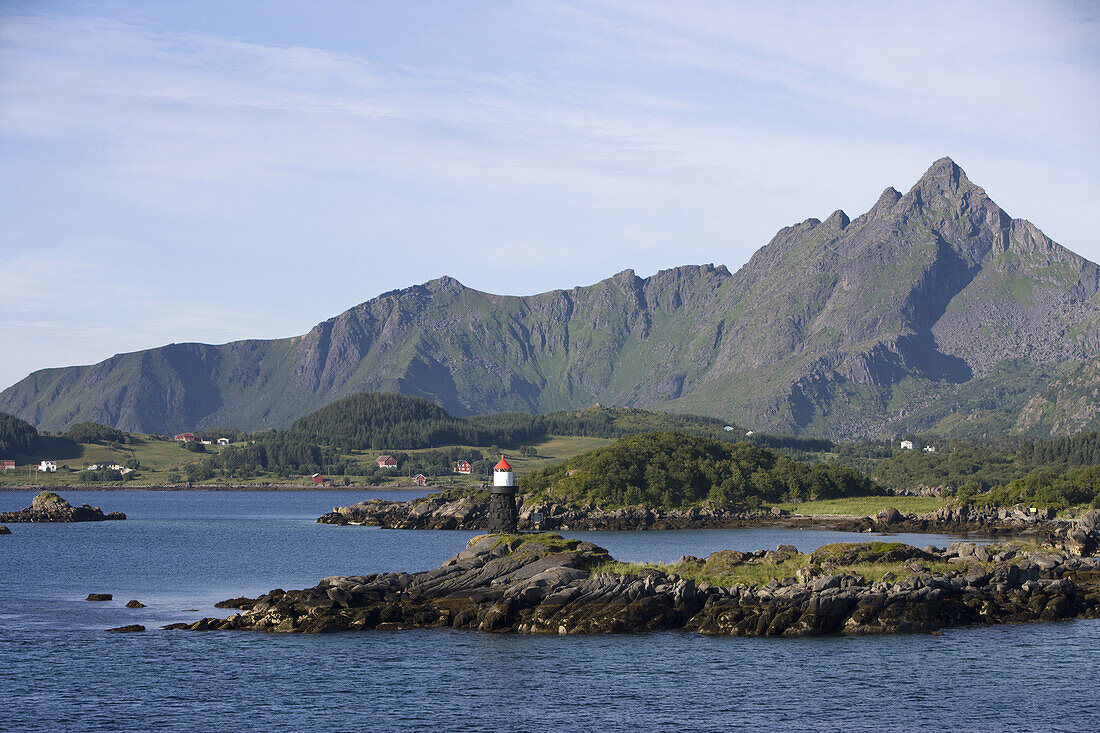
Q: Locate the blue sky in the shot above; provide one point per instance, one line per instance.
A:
(208, 171)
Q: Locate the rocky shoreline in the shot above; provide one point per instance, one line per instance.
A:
(542, 583)
(470, 513)
(49, 507)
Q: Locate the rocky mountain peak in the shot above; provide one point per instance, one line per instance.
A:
(444, 284)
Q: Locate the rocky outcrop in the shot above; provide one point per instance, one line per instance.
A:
(49, 507)
(469, 512)
(546, 584)
(4, 530)
(99, 597)
(128, 629)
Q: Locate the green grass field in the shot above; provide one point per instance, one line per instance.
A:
(868, 506)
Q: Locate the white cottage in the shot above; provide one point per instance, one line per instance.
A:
(47, 467)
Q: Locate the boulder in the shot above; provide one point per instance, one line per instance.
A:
(4, 530)
(128, 629)
(99, 597)
(134, 604)
(889, 515)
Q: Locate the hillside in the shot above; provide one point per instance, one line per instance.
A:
(935, 311)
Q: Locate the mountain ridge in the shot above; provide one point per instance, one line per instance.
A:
(846, 327)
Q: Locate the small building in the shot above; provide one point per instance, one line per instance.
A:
(317, 479)
(223, 441)
(728, 428)
(186, 438)
(386, 462)
(420, 479)
(47, 467)
(907, 445)
(207, 442)
(7, 465)
(750, 433)
(462, 467)
(929, 449)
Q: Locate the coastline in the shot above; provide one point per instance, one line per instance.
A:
(470, 513)
(208, 487)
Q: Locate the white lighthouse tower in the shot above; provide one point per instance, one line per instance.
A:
(503, 516)
(502, 474)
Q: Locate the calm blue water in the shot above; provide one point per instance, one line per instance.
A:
(179, 551)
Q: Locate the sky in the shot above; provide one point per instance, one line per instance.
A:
(212, 171)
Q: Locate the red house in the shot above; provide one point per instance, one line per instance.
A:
(462, 467)
(7, 465)
(420, 479)
(386, 462)
(317, 478)
(186, 437)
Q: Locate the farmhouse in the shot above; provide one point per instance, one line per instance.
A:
(47, 467)
(420, 479)
(186, 438)
(223, 441)
(317, 479)
(907, 445)
(386, 462)
(462, 467)
(7, 465)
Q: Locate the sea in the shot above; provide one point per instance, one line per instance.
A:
(181, 552)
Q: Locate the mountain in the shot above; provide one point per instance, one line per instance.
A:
(934, 311)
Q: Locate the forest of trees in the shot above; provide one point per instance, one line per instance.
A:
(671, 469)
(1056, 472)
(393, 421)
(16, 436)
(93, 432)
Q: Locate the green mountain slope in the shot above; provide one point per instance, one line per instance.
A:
(933, 303)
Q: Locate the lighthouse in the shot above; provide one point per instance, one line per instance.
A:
(503, 516)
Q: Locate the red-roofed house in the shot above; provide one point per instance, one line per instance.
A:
(317, 478)
(186, 437)
(386, 462)
(462, 467)
(420, 479)
(7, 465)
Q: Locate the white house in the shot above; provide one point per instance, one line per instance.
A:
(750, 433)
(223, 441)
(728, 428)
(47, 466)
(929, 449)
(907, 445)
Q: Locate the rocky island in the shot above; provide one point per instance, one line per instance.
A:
(444, 511)
(543, 583)
(49, 507)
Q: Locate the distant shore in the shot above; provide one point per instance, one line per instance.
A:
(215, 487)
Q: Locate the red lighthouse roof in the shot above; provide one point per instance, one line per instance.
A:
(503, 465)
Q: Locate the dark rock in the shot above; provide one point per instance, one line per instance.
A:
(4, 530)
(134, 604)
(99, 597)
(128, 629)
(49, 507)
(890, 515)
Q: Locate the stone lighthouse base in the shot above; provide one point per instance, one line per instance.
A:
(503, 516)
